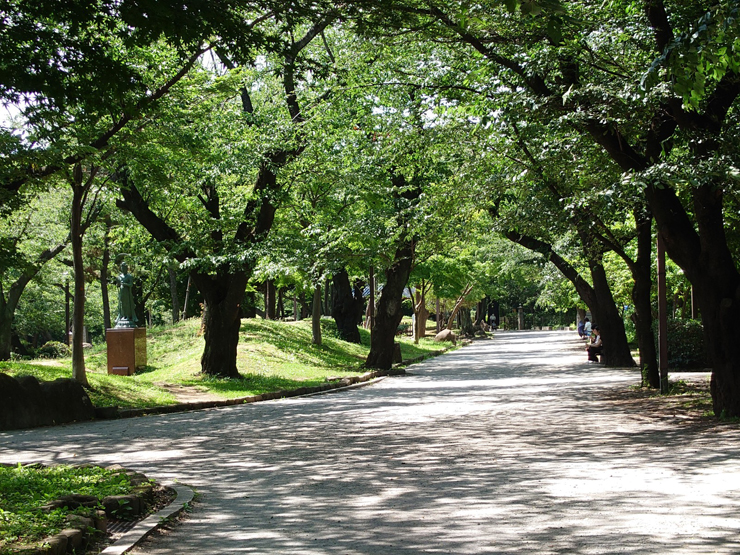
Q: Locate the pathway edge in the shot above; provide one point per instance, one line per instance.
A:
(131, 538)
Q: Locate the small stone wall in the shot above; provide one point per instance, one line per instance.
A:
(25, 402)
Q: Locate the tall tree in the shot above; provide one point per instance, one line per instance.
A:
(85, 208)
(232, 234)
(568, 63)
(30, 238)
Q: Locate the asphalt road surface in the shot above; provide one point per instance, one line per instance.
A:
(508, 445)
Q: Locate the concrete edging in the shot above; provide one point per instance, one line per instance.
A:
(109, 413)
(152, 522)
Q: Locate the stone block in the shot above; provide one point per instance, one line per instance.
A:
(75, 538)
(80, 522)
(73, 501)
(100, 521)
(56, 545)
(67, 401)
(122, 506)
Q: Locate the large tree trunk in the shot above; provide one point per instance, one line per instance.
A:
(7, 314)
(642, 298)
(616, 350)
(389, 313)
(280, 309)
(316, 316)
(421, 312)
(609, 319)
(346, 307)
(105, 262)
(466, 322)
(223, 294)
(78, 311)
(709, 266)
(270, 301)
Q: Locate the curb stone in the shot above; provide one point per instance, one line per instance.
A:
(368, 378)
(152, 522)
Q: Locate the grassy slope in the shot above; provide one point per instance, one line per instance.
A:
(271, 356)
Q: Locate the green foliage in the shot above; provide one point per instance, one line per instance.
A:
(54, 349)
(685, 344)
(701, 56)
(23, 490)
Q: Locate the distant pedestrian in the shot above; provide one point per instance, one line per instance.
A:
(581, 323)
(586, 328)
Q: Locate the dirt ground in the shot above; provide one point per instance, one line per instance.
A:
(689, 401)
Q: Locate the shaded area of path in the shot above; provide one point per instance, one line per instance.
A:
(505, 446)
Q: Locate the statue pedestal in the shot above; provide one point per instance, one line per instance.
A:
(126, 350)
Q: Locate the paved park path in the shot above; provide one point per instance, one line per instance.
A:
(506, 446)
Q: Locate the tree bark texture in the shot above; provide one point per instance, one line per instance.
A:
(421, 312)
(389, 313)
(316, 316)
(78, 310)
(223, 294)
(346, 307)
(270, 300)
(466, 322)
(105, 262)
(641, 270)
(708, 264)
(280, 309)
(609, 319)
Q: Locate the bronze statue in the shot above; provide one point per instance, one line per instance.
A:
(126, 306)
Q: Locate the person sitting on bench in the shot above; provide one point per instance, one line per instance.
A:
(596, 345)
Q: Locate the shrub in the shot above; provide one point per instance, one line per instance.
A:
(54, 349)
(685, 344)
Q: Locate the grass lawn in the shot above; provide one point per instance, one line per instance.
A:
(24, 489)
(271, 356)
